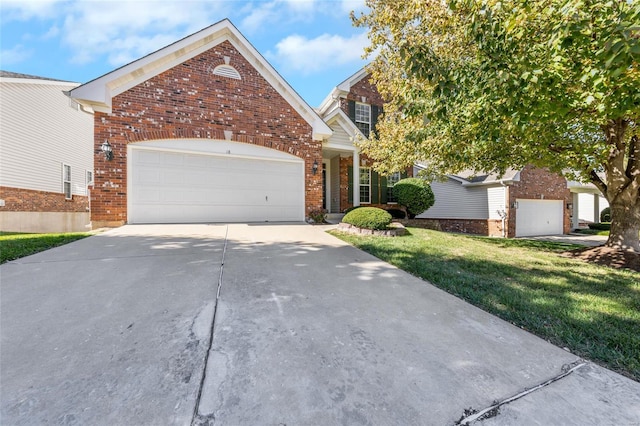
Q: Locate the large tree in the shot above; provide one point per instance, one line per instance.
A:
(494, 84)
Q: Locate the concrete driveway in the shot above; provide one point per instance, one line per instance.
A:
(117, 328)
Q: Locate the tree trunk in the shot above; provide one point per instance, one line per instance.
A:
(625, 225)
(621, 185)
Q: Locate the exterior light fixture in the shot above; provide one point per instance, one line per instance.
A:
(569, 206)
(315, 167)
(107, 150)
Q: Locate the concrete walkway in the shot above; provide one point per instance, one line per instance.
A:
(115, 329)
(574, 238)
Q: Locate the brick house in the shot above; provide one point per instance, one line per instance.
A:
(203, 130)
(351, 110)
(46, 163)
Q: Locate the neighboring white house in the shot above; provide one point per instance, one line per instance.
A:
(46, 156)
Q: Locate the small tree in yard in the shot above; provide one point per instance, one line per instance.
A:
(415, 195)
(489, 85)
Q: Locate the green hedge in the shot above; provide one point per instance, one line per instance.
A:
(368, 218)
(601, 226)
(605, 215)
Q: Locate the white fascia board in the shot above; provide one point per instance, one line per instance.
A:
(359, 75)
(98, 93)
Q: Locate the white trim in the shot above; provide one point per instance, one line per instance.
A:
(327, 192)
(215, 154)
(98, 94)
(38, 81)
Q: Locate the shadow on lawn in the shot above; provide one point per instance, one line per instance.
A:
(591, 314)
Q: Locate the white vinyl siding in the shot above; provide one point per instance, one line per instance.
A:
(40, 131)
(495, 198)
(454, 201)
(588, 209)
(340, 136)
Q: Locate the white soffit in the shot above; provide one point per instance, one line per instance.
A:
(98, 93)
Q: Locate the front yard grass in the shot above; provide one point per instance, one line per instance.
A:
(16, 245)
(592, 310)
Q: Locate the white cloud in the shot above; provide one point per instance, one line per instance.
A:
(310, 55)
(22, 10)
(15, 55)
(352, 5)
(53, 32)
(259, 16)
(126, 30)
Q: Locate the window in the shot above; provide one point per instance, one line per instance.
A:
(363, 118)
(392, 179)
(66, 181)
(365, 185)
(89, 177)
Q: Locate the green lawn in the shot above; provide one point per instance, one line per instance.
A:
(592, 310)
(16, 245)
(592, 232)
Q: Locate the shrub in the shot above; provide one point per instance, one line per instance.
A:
(368, 218)
(605, 215)
(318, 216)
(397, 213)
(414, 194)
(350, 209)
(600, 226)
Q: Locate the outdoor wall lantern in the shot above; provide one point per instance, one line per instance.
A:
(315, 166)
(107, 150)
(569, 206)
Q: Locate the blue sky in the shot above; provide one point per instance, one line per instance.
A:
(311, 43)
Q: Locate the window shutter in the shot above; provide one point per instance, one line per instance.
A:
(375, 187)
(383, 190)
(375, 111)
(352, 110)
(403, 175)
(350, 184)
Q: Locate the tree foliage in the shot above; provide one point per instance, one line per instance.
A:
(414, 194)
(490, 85)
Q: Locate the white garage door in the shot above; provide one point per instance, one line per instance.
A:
(196, 187)
(539, 217)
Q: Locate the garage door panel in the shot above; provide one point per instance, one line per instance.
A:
(539, 217)
(173, 187)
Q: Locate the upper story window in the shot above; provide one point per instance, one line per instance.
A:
(363, 118)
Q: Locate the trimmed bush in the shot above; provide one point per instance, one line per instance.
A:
(368, 218)
(414, 194)
(397, 213)
(605, 215)
(601, 226)
(350, 209)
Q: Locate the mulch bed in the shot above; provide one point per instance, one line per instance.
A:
(607, 256)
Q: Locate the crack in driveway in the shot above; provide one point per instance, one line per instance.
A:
(470, 415)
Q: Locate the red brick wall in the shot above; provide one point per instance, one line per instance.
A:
(467, 226)
(188, 101)
(27, 200)
(537, 184)
(362, 88)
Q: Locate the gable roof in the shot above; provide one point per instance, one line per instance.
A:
(339, 116)
(98, 93)
(474, 178)
(341, 90)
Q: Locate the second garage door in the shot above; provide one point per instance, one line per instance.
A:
(539, 217)
(194, 187)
